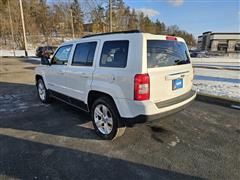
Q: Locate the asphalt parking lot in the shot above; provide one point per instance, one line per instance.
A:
(56, 141)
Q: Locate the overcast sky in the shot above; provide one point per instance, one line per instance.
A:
(195, 16)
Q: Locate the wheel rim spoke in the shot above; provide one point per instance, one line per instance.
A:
(105, 110)
(103, 119)
(41, 91)
(107, 129)
(98, 112)
(110, 122)
(99, 123)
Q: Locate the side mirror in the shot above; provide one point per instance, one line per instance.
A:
(45, 61)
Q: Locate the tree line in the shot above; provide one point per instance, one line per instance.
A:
(50, 22)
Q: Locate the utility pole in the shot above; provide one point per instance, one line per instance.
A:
(73, 32)
(10, 18)
(110, 15)
(23, 26)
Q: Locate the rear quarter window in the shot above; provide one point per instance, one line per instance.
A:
(114, 54)
(161, 53)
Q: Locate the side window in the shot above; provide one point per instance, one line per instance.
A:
(62, 55)
(114, 54)
(84, 54)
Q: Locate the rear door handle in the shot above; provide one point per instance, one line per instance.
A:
(176, 76)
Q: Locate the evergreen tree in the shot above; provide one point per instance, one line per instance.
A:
(49, 19)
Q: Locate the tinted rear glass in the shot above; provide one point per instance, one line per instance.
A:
(114, 54)
(161, 53)
(84, 54)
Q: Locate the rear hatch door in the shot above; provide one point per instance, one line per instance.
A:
(169, 68)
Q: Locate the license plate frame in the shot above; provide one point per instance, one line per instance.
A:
(177, 84)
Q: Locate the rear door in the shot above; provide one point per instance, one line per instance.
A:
(79, 73)
(169, 68)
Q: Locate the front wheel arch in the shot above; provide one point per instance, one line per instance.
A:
(47, 99)
(37, 77)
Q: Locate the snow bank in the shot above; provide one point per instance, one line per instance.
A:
(218, 66)
(215, 60)
(18, 53)
(217, 63)
(223, 83)
(218, 89)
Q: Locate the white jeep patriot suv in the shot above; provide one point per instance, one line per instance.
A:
(119, 78)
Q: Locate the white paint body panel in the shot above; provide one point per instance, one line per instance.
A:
(78, 81)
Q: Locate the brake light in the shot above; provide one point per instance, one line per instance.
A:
(141, 87)
(171, 38)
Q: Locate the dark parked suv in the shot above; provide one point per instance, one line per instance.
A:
(45, 51)
(39, 51)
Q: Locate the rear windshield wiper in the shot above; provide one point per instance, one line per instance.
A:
(179, 62)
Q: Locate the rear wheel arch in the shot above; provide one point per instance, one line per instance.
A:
(94, 95)
(94, 99)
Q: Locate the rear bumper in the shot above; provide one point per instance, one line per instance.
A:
(165, 110)
(176, 100)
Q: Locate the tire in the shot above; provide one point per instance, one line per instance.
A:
(43, 93)
(111, 126)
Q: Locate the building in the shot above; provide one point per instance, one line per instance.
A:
(219, 42)
(95, 27)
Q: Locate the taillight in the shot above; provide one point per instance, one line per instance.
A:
(172, 38)
(141, 87)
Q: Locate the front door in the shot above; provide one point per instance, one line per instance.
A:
(56, 72)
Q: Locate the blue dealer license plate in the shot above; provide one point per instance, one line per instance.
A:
(177, 84)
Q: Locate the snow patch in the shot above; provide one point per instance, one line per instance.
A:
(174, 143)
(17, 53)
(223, 83)
(216, 60)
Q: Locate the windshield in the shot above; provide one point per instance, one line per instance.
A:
(161, 53)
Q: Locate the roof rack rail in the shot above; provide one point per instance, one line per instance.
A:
(117, 32)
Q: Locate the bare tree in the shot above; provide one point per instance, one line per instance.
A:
(48, 23)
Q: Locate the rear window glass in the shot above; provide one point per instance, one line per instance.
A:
(161, 53)
(84, 54)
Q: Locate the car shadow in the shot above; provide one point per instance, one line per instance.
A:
(26, 159)
(50, 142)
(21, 109)
(30, 68)
(31, 60)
